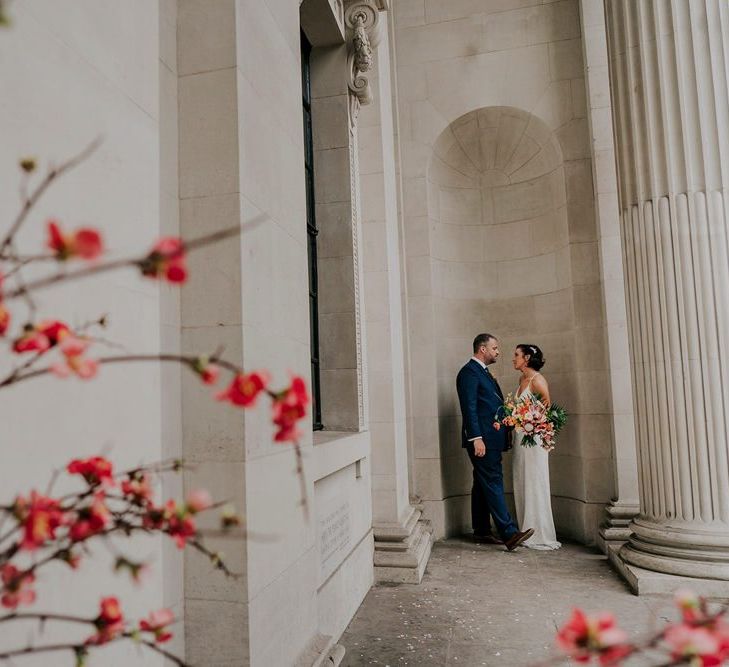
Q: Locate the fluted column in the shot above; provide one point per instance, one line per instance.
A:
(668, 66)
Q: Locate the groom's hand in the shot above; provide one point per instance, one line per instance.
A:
(479, 448)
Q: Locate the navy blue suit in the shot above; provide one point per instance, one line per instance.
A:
(480, 397)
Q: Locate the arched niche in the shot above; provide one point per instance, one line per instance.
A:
(509, 255)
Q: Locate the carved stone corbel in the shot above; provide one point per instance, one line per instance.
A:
(362, 21)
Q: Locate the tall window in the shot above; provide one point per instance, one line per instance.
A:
(311, 231)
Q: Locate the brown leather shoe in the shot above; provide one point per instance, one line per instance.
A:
(486, 539)
(517, 538)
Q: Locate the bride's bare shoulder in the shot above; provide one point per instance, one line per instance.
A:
(540, 384)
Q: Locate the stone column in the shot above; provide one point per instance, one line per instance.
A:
(668, 67)
(402, 538)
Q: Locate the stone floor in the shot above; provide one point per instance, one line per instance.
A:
(481, 605)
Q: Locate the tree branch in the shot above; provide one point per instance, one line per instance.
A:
(30, 201)
(96, 269)
(189, 361)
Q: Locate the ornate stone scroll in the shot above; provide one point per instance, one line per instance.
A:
(362, 21)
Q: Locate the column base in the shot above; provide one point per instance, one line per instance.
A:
(678, 548)
(649, 582)
(402, 549)
(615, 529)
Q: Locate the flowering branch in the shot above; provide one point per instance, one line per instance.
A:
(701, 638)
(111, 504)
(81, 651)
(186, 360)
(141, 263)
(60, 527)
(32, 199)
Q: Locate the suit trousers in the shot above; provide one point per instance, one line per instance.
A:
(487, 495)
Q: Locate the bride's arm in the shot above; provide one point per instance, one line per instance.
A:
(541, 387)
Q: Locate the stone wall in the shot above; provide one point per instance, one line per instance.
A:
(72, 72)
(242, 156)
(199, 105)
(463, 68)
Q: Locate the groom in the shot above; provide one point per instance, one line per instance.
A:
(480, 397)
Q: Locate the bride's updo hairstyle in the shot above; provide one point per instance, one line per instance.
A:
(536, 358)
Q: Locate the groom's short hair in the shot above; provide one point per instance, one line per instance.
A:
(480, 340)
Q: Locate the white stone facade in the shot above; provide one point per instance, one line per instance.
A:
(465, 181)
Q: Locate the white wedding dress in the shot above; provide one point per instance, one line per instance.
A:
(530, 467)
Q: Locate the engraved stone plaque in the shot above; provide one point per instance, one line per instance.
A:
(335, 537)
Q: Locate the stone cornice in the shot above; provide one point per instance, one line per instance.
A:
(362, 22)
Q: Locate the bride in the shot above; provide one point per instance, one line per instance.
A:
(531, 464)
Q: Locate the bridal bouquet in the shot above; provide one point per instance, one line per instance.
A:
(538, 423)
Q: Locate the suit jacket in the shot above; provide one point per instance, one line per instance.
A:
(480, 397)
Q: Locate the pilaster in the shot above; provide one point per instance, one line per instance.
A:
(402, 538)
(624, 506)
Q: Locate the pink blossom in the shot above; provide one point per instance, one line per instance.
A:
(198, 500)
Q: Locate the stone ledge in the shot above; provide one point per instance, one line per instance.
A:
(648, 582)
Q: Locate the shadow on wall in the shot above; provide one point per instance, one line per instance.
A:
(504, 260)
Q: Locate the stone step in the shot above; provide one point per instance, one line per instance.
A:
(402, 545)
(409, 557)
(405, 567)
(397, 532)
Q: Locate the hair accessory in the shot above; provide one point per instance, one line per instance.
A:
(533, 349)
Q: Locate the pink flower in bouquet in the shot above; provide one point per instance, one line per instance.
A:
(109, 622)
(95, 470)
(16, 589)
(584, 637)
(73, 350)
(157, 623)
(39, 516)
(168, 260)
(244, 389)
(198, 500)
(84, 242)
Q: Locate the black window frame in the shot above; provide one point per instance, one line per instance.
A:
(312, 232)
